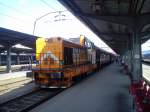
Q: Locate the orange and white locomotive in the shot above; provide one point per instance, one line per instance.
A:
(60, 61)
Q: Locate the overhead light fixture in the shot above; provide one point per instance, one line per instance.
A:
(1, 45)
(96, 6)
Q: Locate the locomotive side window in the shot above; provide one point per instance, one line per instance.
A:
(68, 56)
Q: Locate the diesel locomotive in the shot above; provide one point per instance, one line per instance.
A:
(60, 61)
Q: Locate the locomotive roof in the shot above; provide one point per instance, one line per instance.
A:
(66, 41)
(74, 44)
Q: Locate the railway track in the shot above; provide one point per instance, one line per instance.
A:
(146, 62)
(8, 85)
(28, 101)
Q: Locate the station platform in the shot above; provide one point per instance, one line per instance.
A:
(104, 91)
(6, 76)
(12, 89)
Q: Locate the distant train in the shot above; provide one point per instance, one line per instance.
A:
(60, 62)
(146, 57)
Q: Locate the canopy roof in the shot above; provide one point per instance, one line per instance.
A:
(113, 20)
(10, 38)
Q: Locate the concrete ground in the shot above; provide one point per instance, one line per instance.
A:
(6, 76)
(105, 91)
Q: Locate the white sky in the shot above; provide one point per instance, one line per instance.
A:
(20, 15)
(146, 46)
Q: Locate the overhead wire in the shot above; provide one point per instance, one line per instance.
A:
(9, 16)
(22, 12)
(47, 4)
(16, 10)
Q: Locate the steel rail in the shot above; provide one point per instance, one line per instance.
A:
(28, 101)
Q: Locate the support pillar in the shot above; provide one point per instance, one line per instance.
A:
(8, 59)
(125, 57)
(0, 59)
(136, 58)
(129, 53)
(18, 59)
(31, 60)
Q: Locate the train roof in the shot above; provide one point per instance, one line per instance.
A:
(75, 42)
(69, 42)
